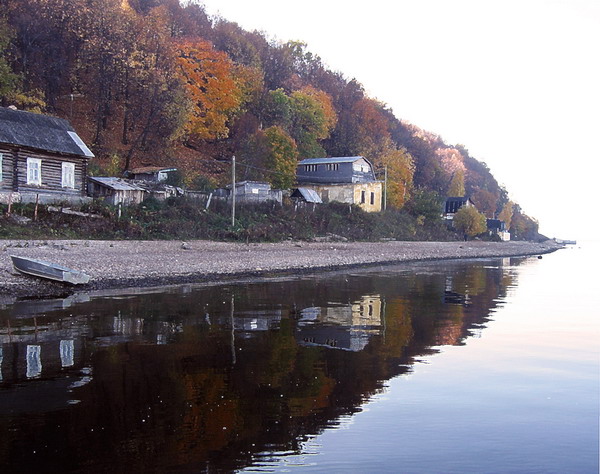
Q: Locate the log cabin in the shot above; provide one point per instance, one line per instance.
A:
(41, 159)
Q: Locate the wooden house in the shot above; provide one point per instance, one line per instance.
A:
(41, 158)
(344, 179)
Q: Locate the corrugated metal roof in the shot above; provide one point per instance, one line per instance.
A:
(320, 161)
(117, 184)
(310, 195)
(41, 132)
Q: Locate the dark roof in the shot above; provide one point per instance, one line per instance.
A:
(41, 132)
(457, 199)
(495, 224)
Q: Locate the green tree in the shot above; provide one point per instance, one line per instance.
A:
(469, 221)
(282, 157)
(425, 202)
(8, 80)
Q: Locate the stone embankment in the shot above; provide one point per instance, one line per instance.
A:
(121, 264)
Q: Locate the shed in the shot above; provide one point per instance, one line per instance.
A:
(306, 195)
(251, 191)
(150, 173)
(115, 190)
(41, 157)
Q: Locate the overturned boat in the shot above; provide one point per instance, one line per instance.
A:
(49, 271)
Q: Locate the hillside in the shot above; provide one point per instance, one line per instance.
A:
(152, 82)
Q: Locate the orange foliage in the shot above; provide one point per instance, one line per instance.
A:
(211, 89)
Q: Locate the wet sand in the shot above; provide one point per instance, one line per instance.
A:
(123, 264)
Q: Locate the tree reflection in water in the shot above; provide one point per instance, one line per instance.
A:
(204, 378)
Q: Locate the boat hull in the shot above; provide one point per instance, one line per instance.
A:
(49, 271)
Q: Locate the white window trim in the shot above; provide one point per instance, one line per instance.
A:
(1, 156)
(68, 175)
(34, 173)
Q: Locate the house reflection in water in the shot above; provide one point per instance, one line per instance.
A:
(348, 327)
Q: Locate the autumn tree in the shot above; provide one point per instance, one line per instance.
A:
(211, 89)
(457, 185)
(313, 118)
(485, 201)
(469, 221)
(506, 214)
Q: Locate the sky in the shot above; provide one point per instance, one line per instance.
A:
(516, 82)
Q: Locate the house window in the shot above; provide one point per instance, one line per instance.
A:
(310, 168)
(333, 166)
(372, 198)
(34, 171)
(68, 175)
(363, 197)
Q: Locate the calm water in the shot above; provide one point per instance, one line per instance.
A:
(481, 366)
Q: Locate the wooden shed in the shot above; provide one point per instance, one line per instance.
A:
(41, 157)
(115, 190)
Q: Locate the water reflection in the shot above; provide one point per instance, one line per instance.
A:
(206, 378)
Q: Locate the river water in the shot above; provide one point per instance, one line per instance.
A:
(465, 366)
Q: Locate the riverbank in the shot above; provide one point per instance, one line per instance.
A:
(122, 264)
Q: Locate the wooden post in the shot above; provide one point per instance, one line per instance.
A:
(35, 212)
(385, 189)
(9, 204)
(233, 191)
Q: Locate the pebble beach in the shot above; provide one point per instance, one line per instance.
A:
(125, 264)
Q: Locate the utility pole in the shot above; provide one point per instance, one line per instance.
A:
(233, 191)
(385, 188)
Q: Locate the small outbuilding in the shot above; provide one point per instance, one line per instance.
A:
(115, 190)
(150, 173)
(251, 192)
(306, 195)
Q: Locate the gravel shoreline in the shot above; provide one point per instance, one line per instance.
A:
(123, 264)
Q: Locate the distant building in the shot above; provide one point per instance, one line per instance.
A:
(498, 227)
(251, 191)
(150, 173)
(453, 204)
(41, 157)
(344, 179)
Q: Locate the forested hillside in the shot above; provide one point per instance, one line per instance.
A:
(152, 82)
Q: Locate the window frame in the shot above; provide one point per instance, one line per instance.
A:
(34, 173)
(67, 179)
(1, 165)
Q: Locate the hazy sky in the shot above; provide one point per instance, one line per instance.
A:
(516, 82)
